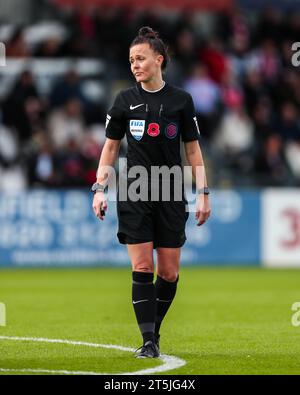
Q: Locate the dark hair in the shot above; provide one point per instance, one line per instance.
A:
(148, 35)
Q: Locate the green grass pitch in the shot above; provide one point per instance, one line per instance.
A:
(223, 321)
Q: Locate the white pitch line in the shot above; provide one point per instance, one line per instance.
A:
(69, 372)
(169, 362)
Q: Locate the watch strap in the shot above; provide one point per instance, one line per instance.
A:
(97, 188)
(204, 190)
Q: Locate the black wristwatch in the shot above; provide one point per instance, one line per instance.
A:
(97, 188)
(204, 190)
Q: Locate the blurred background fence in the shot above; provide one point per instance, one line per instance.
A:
(66, 60)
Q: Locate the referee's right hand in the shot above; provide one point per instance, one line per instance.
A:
(99, 205)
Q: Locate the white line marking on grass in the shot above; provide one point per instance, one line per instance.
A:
(169, 362)
(49, 371)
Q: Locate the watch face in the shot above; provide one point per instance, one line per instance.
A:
(97, 187)
(94, 187)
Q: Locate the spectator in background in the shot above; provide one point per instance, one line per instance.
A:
(75, 149)
(232, 94)
(23, 109)
(239, 41)
(206, 96)
(240, 29)
(264, 123)
(85, 22)
(114, 31)
(292, 28)
(16, 46)
(81, 39)
(238, 57)
(185, 20)
(105, 20)
(265, 59)
(41, 160)
(67, 124)
(234, 139)
(270, 163)
(67, 87)
(50, 48)
(287, 88)
(90, 150)
(254, 89)
(185, 51)
(73, 164)
(233, 24)
(288, 125)
(85, 28)
(270, 25)
(213, 56)
(289, 128)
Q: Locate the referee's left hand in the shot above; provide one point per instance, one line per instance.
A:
(202, 209)
(99, 205)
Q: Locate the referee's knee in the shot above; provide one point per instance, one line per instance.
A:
(143, 267)
(170, 276)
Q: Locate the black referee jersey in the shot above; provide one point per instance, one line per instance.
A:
(154, 123)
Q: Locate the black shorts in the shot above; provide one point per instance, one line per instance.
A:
(161, 222)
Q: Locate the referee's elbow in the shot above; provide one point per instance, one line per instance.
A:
(111, 145)
(191, 147)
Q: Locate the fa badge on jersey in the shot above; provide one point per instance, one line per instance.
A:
(137, 128)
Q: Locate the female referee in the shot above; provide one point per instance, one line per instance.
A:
(155, 117)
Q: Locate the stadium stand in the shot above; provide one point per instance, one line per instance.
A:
(65, 67)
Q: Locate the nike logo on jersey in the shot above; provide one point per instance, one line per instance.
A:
(139, 301)
(133, 107)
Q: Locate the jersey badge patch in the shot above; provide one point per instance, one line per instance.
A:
(137, 128)
(171, 130)
(153, 129)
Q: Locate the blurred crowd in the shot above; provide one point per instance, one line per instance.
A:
(237, 66)
(52, 141)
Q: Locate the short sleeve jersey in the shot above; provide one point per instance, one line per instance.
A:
(154, 123)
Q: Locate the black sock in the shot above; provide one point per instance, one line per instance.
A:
(165, 293)
(144, 304)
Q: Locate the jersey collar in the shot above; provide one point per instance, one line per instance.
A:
(139, 85)
(157, 90)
